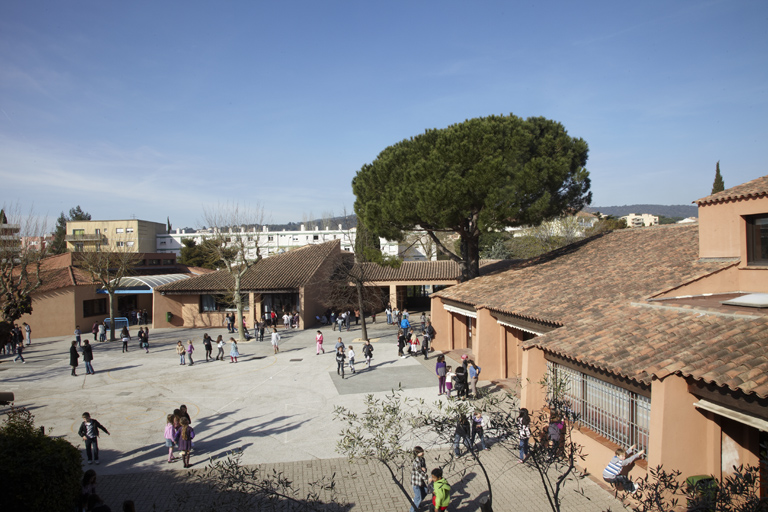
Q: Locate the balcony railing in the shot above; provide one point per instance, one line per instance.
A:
(86, 237)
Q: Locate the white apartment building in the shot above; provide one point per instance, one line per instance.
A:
(277, 242)
(635, 220)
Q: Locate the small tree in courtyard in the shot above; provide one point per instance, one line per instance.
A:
(349, 286)
(379, 434)
(20, 265)
(108, 268)
(663, 490)
(235, 248)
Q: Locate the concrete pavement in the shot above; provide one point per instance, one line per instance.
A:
(276, 408)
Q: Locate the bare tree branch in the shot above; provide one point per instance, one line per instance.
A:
(236, 247)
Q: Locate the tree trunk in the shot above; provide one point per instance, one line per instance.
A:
(470, 256)
(239, 305)
(359, 287)
(111, 315)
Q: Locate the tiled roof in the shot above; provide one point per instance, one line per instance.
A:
(751, 189)
(638, 341)
(428, 271)
(287, 271)
(614, 268)
(56, 272)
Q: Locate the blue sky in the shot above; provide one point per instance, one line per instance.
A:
(154, 109)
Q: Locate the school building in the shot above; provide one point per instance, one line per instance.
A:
(296, 280)
(661, 333)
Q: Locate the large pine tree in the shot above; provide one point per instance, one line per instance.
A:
(481, 175)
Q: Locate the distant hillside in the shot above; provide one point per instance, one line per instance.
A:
(675, 210)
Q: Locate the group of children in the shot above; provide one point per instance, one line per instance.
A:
(614, 472)
(179, 433)
(408, 341)
(185, 353)
(349, 356)
(464, 378)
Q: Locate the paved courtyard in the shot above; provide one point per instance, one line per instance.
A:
(276, 409)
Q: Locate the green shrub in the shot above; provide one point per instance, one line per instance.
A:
(38, 472)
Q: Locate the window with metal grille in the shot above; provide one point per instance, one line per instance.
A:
(620, 415)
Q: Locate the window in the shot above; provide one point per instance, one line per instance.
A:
(270, 238)
(167, 262)
(154, 262)
(120, 244)
(129, 230)
(209, 303)
(130, 244)
(757, 240)
(98, 247)
(79, 247)
(78, 231)
(119, 230)
(162, 242)
(315, 237)
(98, 232)
(94, 307)
(615, 413)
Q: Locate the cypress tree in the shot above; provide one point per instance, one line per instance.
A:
(718, 185)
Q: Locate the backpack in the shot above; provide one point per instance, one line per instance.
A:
(553, 432)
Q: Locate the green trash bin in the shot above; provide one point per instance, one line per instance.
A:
(168, 316)
(702, 492)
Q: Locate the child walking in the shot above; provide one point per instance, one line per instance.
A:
(479, 424)
(351, 357)
(190, 349)
(441, 496)
(233, 352)
(181, 351)
(171, 433)
(220, 345)
(89, 431)
(340, 361)
(207, 345)
(186, 434)
(368, 353)
(319, 341)
(524, 432)
(275, 340)
(449, 376)
(126, 337)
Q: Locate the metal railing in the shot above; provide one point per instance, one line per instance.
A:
(619, 415)
(87, 237)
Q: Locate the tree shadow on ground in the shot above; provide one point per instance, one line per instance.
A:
(214, 437)
(170, 491)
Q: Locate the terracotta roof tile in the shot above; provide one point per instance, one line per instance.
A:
(721, 349)
(287, 271)
(751, 189)
(445, 270)
(618, 267)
